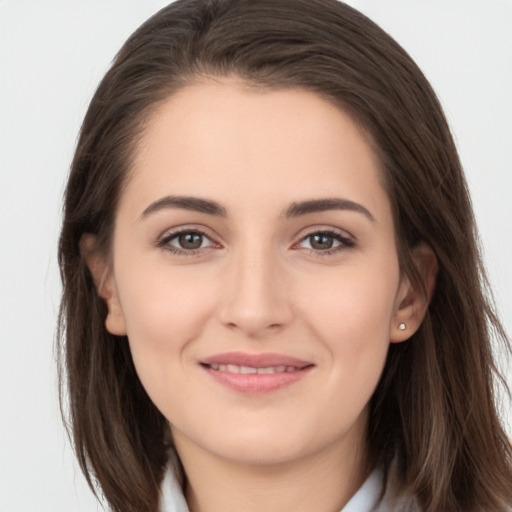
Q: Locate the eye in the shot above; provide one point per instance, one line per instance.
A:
(189, 240)
(186, 241)
(326, 242)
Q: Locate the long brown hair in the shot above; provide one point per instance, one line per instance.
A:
(434, 411)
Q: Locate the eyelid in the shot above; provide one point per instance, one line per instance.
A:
(347, 241)
(172, 233)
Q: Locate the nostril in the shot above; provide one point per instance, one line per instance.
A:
(254, 309)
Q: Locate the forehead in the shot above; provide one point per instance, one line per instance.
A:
(226, 139)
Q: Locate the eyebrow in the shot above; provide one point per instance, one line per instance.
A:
(185, 203)
(296, 209)
(322, 205)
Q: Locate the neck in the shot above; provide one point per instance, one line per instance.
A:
(324, 481)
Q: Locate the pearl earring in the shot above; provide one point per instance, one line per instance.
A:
(402, 326)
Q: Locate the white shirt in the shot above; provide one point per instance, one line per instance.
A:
(365, 500)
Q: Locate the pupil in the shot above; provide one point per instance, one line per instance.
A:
(321, 241)
(190, 240)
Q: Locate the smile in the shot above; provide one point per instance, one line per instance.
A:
(248, 370)
(255, 374)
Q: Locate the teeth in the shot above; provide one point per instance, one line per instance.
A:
(247, 370)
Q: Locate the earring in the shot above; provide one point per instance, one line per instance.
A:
(402, 326)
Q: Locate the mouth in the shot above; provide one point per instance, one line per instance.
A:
(251, 370)
(255, 373)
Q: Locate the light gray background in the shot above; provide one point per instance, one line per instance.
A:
(52, 55)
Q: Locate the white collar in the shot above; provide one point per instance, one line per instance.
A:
(172, 499)
(365, 499)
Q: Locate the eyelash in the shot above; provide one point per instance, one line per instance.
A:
(346, 243)
(165, 241)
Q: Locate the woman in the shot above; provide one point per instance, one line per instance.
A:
(272, 289)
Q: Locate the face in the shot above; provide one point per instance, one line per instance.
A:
(255, 273)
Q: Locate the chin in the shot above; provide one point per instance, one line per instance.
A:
(263, 454)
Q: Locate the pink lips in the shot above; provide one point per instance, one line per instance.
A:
(255, 373)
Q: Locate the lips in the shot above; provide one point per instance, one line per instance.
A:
(265, 360)
(251, 370)
(255, 373)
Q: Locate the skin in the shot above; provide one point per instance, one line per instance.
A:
(259, 284)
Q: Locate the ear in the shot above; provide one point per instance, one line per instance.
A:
(101, 272)
(412, 303)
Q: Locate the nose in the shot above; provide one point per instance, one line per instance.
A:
(255, 298)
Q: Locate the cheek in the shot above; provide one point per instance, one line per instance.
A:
(164, 311)
(354, 298)
(352, 314)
